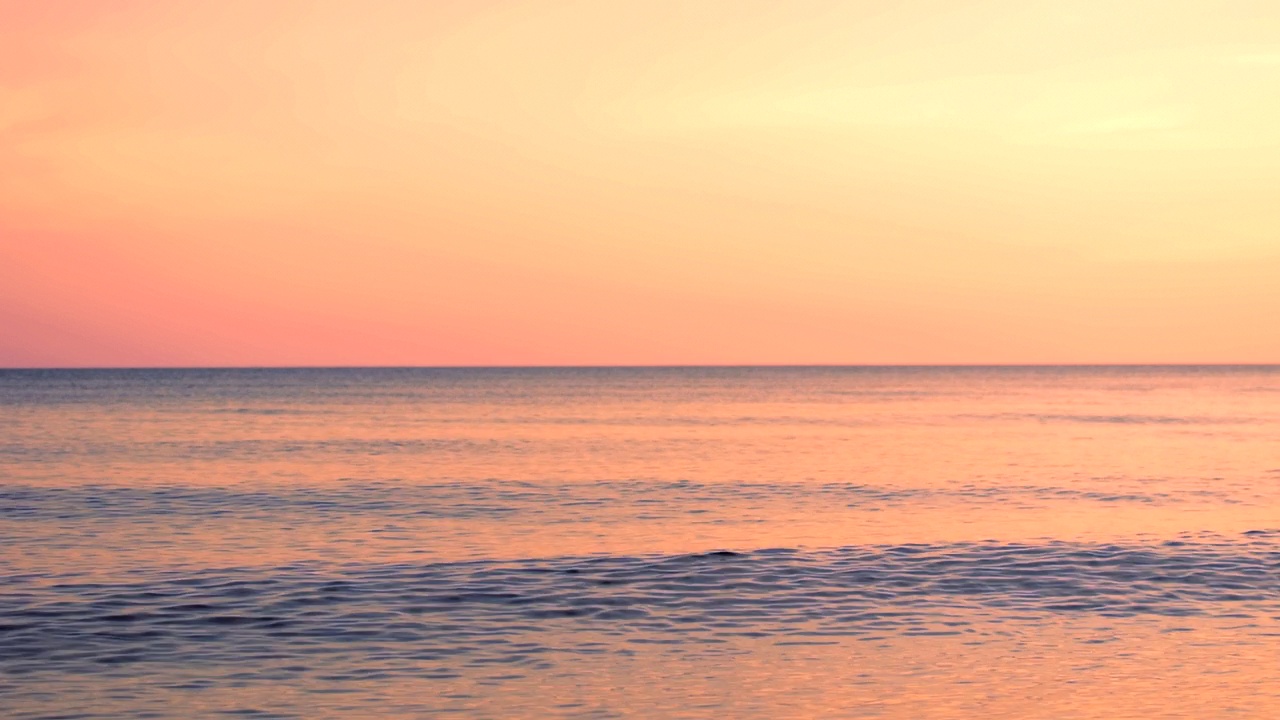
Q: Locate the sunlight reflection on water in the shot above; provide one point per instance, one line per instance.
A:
(753, 542)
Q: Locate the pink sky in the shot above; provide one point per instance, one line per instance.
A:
(716, 181)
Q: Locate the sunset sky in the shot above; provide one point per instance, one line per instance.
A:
(240, 182)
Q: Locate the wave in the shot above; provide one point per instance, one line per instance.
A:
(491, 611)
(407, 500)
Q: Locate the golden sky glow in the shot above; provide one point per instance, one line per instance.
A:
(716, 181)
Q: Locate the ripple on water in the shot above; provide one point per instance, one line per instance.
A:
(498, 499)
(391, 616)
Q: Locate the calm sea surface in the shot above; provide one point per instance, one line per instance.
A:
(693, 543)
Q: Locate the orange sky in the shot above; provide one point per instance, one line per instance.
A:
(697, 181)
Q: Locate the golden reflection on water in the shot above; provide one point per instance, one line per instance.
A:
(134, 486)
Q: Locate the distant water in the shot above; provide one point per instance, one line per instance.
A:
(697, 543)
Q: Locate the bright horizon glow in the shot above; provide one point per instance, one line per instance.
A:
(718, 182)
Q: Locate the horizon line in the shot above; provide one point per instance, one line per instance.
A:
(655, 366)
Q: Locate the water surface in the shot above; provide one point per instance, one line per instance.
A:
(745, 542)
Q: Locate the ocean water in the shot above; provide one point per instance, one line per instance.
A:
(679, 542)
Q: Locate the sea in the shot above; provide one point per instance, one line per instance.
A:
(730, 542)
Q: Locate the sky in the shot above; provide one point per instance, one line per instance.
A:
(638, 182)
